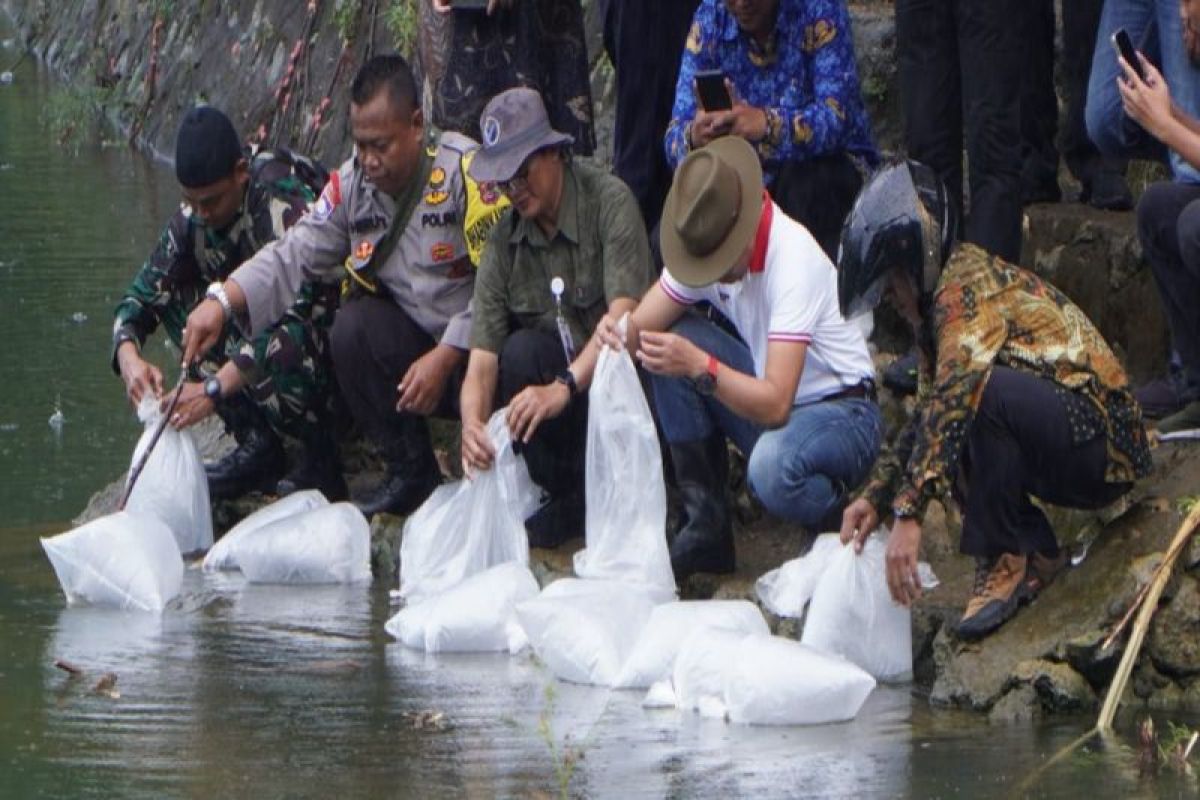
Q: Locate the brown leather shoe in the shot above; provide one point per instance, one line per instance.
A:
(999, 590)
(1044, 569)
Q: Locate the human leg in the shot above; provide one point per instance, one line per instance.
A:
(1039, 110)
(804, 471)
(373, 343)
(818, 193)
(992, 51)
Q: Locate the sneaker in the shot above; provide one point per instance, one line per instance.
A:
(1158, 398)
(1000, 588)
(1183, 424)
(901, 375)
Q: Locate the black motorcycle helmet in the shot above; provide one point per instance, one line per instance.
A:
(903, 218)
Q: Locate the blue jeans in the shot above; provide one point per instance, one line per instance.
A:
(802, 471)
(1156, 30)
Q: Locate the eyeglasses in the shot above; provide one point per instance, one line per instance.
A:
(519, 180)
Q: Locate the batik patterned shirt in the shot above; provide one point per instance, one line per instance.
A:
(805, 78)
(987, 312)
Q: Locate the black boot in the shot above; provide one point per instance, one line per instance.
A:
(705, 542)
(412, 470)
(258, 460)
(320, 468)
(559, 520)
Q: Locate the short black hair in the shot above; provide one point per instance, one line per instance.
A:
(390, 72)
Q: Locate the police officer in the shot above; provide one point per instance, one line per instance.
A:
(403, 226)
(572, 248)
(280, 380)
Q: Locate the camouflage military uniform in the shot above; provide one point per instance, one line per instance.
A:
(286, 366)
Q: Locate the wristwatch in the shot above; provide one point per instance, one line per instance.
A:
(216, 291)
(212, 389)
(567, 378)
(705, 383)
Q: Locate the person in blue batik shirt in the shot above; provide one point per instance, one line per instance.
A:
(792, 74)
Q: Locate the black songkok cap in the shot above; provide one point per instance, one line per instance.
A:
(207, 148)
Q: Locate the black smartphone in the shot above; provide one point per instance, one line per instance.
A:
(1124, 46)
(469, 5)
(710, 85)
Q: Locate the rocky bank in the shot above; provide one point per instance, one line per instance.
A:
(281, 69)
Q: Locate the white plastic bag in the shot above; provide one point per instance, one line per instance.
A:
(173, 485)
(700, 669)
(852, 614)
(470, 525)
(786, 590)
(653, 658)
(329, 544)
(223, 554)
(777, 681)
(584, 630)
(477, 615)
(126, 560)
(626, 499)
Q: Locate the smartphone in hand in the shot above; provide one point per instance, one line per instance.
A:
(710, 86)
(1124, 46)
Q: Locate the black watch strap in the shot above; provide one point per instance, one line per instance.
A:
(567, 377)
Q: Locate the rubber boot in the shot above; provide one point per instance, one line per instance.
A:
(320, 468)
(257, 462)
(705, 542)
(412, 470)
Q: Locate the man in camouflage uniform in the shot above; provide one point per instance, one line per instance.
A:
(402, 225)
(277, 382)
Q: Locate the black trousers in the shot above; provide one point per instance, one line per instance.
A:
(644, 41)
(374, 342)
(818, 193)
(1039, 102)
(554, 455)
(1168, 218)
(961, 64)
(1020, 445)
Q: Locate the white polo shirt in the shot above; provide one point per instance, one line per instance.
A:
(790, 295)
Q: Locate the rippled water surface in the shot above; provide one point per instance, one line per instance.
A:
(257, 691)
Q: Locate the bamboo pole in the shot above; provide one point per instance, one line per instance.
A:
(136, 472)
(1149, 604)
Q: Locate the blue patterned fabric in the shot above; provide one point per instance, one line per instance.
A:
(805, 78)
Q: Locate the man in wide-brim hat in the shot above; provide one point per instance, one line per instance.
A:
(571, 249)
(795, 392)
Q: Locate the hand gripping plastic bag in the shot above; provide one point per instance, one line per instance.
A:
(786, 590)
(126, 560)
(777, 681)
(223, 554)
(584, 630)
(852, 614)
(626, 499)
(173, 485)
(468, 526)
(477, 615)
(328, 544)
(653, 658)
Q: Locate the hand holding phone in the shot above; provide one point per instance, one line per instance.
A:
(1124, 47)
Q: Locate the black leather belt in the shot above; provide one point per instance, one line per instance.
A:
(865, 389)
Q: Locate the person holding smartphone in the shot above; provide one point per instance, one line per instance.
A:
(1169, 229)
(791, 89)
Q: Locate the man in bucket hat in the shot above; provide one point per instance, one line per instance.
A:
(795, 393)
(571, 249)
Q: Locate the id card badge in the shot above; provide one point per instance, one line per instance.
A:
(557, 286)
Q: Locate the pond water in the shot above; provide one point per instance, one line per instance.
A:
(243, 690)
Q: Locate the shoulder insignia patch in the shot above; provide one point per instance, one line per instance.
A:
(331, 197)
(437, 193)
(364, 250)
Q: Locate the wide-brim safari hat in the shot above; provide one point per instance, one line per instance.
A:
(712, 211)
(514, 125)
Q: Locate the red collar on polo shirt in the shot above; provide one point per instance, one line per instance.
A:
(758, 256)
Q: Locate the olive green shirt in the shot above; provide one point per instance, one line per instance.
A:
(600, 251)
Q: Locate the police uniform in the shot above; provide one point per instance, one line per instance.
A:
(286, 365)
(398, 306)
